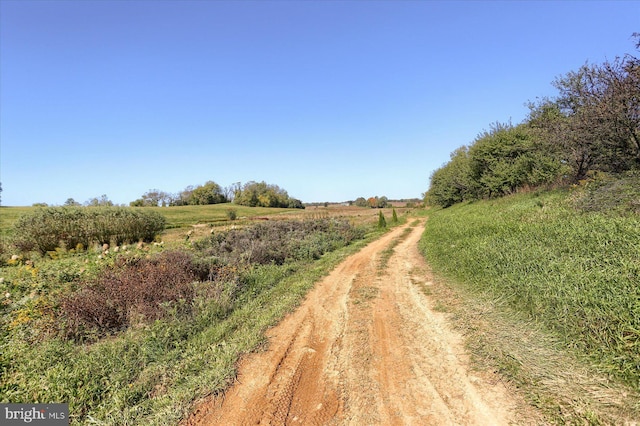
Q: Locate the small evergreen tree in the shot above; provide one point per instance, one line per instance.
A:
(382, 223)
(394, 217)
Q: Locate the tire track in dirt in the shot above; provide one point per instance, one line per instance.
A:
(364, 348)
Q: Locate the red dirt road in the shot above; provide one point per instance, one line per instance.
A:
(366, 347)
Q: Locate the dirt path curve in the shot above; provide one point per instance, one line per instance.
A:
(365, 348)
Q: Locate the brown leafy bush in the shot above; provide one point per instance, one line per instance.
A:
(133, 290)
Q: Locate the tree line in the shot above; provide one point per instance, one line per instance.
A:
(373, 202)
(251, 194)
(592, 125)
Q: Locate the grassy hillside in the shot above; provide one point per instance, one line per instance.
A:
(577, 273)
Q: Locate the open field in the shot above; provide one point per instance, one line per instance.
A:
(200, 219)
(9, 215)
(185, 216)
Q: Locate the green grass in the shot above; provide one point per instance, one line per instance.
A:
(575, 273)
(182, 216)
(9, 215)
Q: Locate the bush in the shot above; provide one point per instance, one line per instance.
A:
(279, 241)
(610, 193)
(133, 290)
(46, 229)
(232, 214)
(382, 222)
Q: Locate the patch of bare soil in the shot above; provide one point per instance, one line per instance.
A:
(365, 348)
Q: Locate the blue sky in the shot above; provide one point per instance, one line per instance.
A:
(330, 100)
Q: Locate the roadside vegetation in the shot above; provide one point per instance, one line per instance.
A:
(577, 272)
(547, 259)
(135, 333)
(534, 229)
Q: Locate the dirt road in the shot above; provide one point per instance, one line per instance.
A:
(366, 347)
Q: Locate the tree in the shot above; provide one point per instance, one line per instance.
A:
(382, 222)
(361, 202)
(619, 110)
(452, 183)
(155, 198)
(592, 125)
(261, 194)
(506, 158)
(71, 202)
(103, 201)
(209, 193)
(229, 191)
(600, 106)
(500, 161)
(182, 198)
(294, 203)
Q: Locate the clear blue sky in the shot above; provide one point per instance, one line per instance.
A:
(330, 100)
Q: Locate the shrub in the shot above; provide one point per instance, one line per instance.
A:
(46, 229)
(279, 241)
(610, 193)
(133, 290)
(382, 222)
(232, 214)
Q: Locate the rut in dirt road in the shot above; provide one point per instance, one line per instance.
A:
(364, 348)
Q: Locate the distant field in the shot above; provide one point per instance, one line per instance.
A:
(216, 214)
(8, 216)
(178, 217)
